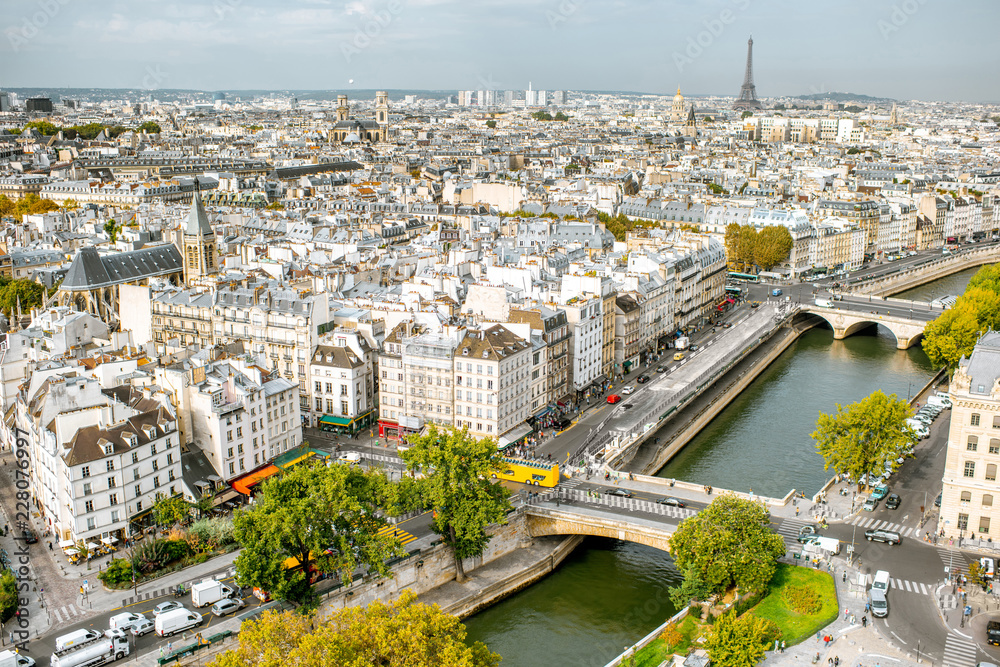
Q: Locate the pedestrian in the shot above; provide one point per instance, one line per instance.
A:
(836, 661)
(783, 645)
(864, 621)
(776, 645)
(796, 511)
(826, 641)
(50, 546)
(847, 612)
(868, 607)
(818, 635)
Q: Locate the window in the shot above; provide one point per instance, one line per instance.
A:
(984, 524)
(91, 525)
(114, 516)
(156, 481)
(138, 490)
(319, 405)
(343, 388)
(88, 506)
(329, 387)
(994, 446)
(970, 469)
(170, 476)
(135, 457)
(170, 459)
(135, 474)
(113, 498)
(966, 496)
(86, 489)
(111, 482)
(996, 422)
(156, 465)
(239, 431)
(111, 465)
(974, 421)
(973, 443)
(987, 500)
(152, 448)
(343, 408)
(138, 506)
(991, 472)
(963, 522)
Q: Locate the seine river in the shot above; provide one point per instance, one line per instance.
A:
(606, 596)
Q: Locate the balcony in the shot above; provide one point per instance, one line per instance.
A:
(226, 408)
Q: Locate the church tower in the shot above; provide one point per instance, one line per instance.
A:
(199, 242)
(342, 108)
(382, 114)
(691, 127)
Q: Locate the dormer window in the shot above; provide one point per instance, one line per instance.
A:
(108, 449)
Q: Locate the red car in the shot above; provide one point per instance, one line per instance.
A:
(614, 398)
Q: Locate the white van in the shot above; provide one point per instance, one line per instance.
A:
(881, 581)
(940, 401)
(75, 638)
(124, 621)
(175, 621)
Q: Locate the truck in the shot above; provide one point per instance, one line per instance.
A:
(209, 592)
(178, 620)
(100, 651)
(682, 343)
(11, 659)
(822, 547)
(824, 303)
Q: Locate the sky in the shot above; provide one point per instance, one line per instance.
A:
(903, 49)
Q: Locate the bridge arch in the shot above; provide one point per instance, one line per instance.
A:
(846, 323)
(543, 521)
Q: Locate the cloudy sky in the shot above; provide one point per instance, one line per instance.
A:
(905, 49)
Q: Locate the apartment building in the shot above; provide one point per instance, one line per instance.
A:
(344, 395)
(492, 383)
(550, 372)
(970, 493)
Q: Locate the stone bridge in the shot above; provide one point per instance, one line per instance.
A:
(846, 322)
(595, 516)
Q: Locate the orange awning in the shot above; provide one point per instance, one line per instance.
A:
(243, 484)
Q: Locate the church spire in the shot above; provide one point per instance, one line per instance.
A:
(197, 222)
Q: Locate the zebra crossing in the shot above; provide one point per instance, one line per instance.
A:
(65, 613)
(952, 559)
(400, 534)
(958, 652)
(169, 590)
(871, 523)
(571, 483)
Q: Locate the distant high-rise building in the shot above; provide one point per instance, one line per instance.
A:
(529, 96)
(409, 99)
(508, 98)
(38, 104)
(558, 97)
(540, 98)
(4, 101)
(218, 96)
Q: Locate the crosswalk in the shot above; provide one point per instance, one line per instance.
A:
(871, 523)
(400, 534)
(571, 483)
(958, 652)
(65, 613)
(953, 559)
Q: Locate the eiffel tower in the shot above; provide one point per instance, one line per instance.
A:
(748, 93)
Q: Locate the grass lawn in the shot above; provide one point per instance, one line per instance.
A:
(657, 650)
(795, 626)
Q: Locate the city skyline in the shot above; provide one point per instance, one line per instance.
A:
(442, 45)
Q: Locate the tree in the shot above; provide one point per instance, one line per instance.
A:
(954, 333)
(729, 543)
(26, 292)
(746, 114)
(171, 511)
(326, 517)
(457, 483)
(401, 634)
(32, 204)
(739, 641)
(8, 596)
(491, 124)
(976, 574)
(862, 437)
(150, 127)
(44, 127)
(70, 204)
(204, 504)
(773, 244)
(111, 229)
(7, 205)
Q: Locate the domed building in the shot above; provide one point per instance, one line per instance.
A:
(352, 130)
(677, 108)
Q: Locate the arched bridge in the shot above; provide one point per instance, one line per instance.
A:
(596, 516)
(851, 313)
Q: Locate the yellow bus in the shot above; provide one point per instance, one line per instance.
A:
(536, 473)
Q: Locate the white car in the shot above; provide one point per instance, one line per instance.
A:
(164, 607)
(627, 390)
(227, 606)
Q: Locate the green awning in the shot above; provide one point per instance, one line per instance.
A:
(335, 421)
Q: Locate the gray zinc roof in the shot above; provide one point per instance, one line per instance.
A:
(197, 222)
(89, 270)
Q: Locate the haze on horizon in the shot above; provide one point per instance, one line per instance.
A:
(907, 49)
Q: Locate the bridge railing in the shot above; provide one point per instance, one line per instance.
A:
(564, 495)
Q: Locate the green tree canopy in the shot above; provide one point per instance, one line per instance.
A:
(739, 641)
(8, 596)
(746, 246)
(171, 511)
(729, 543)
(458, 484)
(864, 436)
(150, 127)
(953, 334)
(28, 292)
(491, 124)
(30, 204)
(326, 517)
(401, 634)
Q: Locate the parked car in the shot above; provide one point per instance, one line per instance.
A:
(808, 532)
(642, 379)
(693, 348)
(673, 502)
(937, 501)
(661, 369)
(29, 536)
(880, 492)
(627, 390)
(164, 607)
(987, 567)
(227, 606)
(618, 492)
(678, 356)
(870, 504)
(879, 535)
(892, 501)
(614, 398)
(143, 627)
(776, 292)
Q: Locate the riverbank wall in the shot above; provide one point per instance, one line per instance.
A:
(901, 281)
